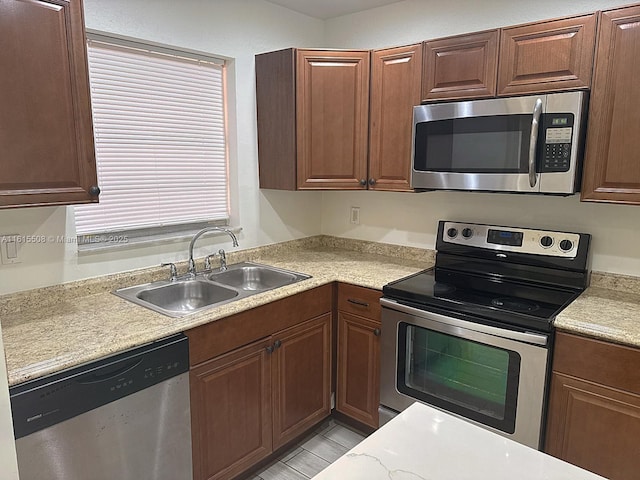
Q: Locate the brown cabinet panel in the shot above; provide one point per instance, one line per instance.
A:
(358, 386)
(301, 378)
(612, 164)
(231, 412)
(458, 67)
(46, 130)
(594, 427)
(361, 301)
(547, 56)
(396, 75)
(332, 111)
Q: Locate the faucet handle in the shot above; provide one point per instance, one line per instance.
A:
(207, 261)
(173, 270)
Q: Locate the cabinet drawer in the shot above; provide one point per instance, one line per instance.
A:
(602, 362)
(359, 301)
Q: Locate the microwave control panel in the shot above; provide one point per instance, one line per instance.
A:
(558, 131)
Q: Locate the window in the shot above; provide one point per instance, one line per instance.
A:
(159, 127)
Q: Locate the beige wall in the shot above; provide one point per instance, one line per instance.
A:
(411, 219)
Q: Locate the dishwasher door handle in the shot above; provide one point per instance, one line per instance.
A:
(97, 377)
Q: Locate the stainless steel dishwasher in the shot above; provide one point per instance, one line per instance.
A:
(124, 417)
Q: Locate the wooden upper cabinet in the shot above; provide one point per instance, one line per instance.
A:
(460, 67)
(396, 75)
(313, 116)
(612, 162)
(547, 56)
(332, 119)
(46, 132)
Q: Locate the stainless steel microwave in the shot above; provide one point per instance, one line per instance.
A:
(530, 144)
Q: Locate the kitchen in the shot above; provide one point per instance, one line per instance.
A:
(269, 216)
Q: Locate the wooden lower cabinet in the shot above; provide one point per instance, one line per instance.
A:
(358, 361)
(301, 378)
(594, 406)
(247, 400)
(231, 412)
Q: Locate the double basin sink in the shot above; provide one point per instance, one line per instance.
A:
(208, 289)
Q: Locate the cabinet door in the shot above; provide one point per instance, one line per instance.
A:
(231, 412)
(594, 427)
(301, 378)
(460, 67)
(612, 164)
(358, 387)
(547, 56)
(46, 132)
(332, 110)
(396, 75)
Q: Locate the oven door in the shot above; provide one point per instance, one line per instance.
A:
(491, 376)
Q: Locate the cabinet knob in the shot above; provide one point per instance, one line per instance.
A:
(372, 181)
(377, 332)
(94, 191)
(269, 349)
(277, 344)
(363, 182)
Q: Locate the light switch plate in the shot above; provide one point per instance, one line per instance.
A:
(10, 249)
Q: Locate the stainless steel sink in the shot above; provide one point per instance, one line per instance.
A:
(208, 289)
(253, 277)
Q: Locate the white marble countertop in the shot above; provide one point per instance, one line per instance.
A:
(423, 443)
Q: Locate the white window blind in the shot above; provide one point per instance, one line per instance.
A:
(159, 126)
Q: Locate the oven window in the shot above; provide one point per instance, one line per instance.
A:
(472, 379)
(495, 144)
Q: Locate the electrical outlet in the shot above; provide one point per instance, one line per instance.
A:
(9, 249)
(355, 215)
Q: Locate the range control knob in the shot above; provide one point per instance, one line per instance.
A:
(546, 241)
(452, 232)
(566, 245)
(467, 233)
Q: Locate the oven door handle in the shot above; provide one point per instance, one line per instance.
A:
(532, 338)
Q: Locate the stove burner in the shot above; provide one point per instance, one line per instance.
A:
(515, 305)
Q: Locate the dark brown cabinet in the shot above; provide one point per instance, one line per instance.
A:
(547, 56)
(396, 75)
(612, 162)
(313, 116)
(46, 130)
(358, 364)
(463, 66)
(259, 379)
(594, 406)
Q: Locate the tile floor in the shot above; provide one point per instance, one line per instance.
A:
(313, 454)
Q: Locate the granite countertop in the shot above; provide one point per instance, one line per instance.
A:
(54, 328)
(608, 310)
(425, 443)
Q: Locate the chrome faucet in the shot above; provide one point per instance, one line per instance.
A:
(223, 260)
(192, 264)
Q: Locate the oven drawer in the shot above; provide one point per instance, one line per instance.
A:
(361, 301)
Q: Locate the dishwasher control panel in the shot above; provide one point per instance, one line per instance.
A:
(43, 402)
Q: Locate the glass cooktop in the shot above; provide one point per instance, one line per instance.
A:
(524, 305)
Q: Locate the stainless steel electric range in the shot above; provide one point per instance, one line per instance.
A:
(473, 335)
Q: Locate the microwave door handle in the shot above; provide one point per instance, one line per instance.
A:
(533, 142)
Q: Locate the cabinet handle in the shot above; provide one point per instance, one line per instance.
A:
(357, 302)
(372, 181)
(363, 182)
(277, 344)
(269, 349)
(377, 332)
(94, 191)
